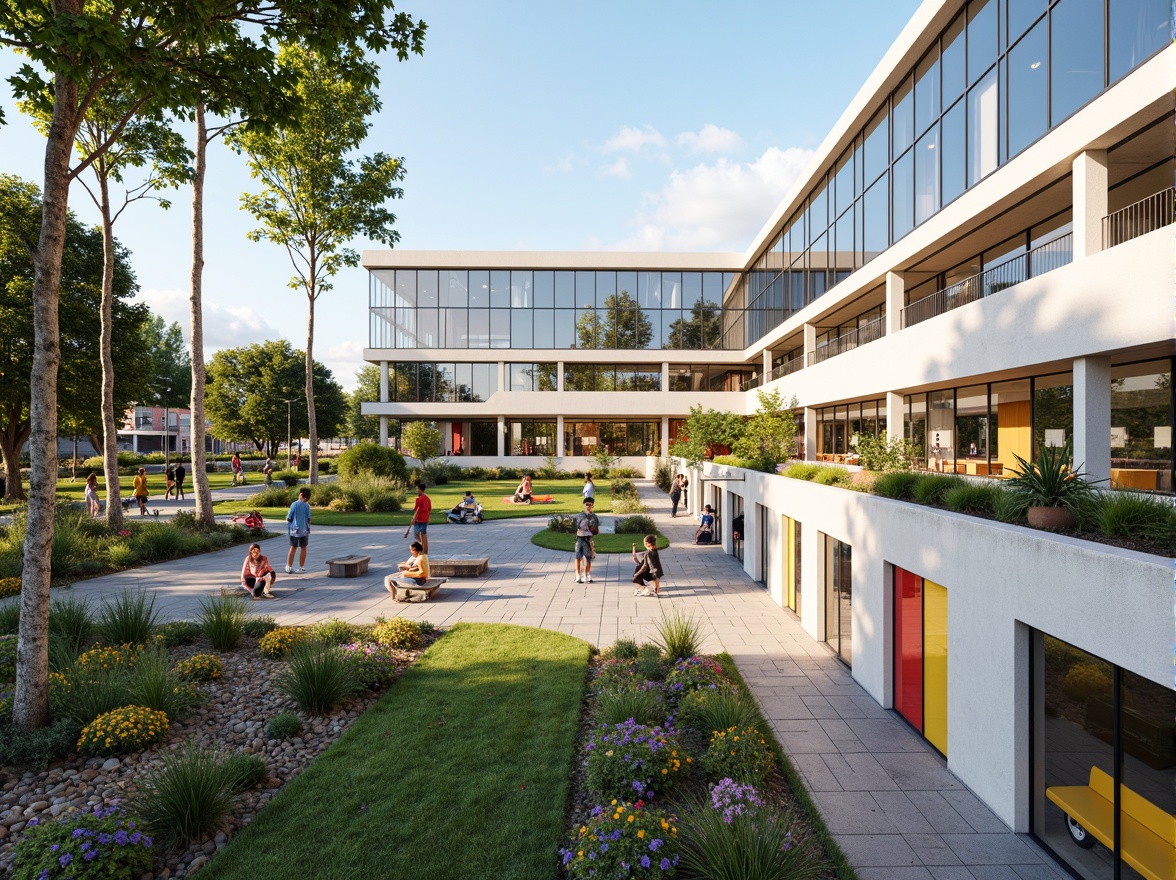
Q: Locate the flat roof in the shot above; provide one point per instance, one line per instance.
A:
(571, 260)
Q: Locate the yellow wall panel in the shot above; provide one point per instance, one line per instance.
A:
(935, 664)
(1014, 432)
(790, 567)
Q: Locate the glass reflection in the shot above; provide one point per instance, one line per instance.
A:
(1026, 89)
(1076, 55)
(1137, 29)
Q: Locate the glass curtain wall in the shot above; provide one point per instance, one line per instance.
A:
(1141, 426)
(618, 437)
(839, 598)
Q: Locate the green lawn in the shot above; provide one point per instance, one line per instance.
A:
(566, 495)
(462, 770)
(604, 543)
(156, 485)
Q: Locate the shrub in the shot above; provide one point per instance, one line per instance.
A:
(801, 471)
(740, 753)
(1050, 481)
(158, 541)
(623, 649)
(643, 707)
(435, 473)
(397, 633)
(623, 488)
(619, 839)
(322, 494)
(10, 617)
(333, 631)
(283, 726)
(256, 627)
(931, 488)
(833, 476)
(1121, 514)
(371, 458)
(717, 709)
(108, 658)
(634, 760)
(200, 667)
(373, 494)
(222, 618)
(93, 843)
(679, 635)
(127, 729)
(154, 684)
(279, 642)
(693, 674)
(244, 772)
(188, 797)
(372, 666)
(128, 619)
(121, 555)
(896, 484)
(650, 664)
(7, 659)
(734, 834)
(179, 632)
(289, 479)
(631, 504)
(969, 497)
(877, 452)
(273, 496)
(36, 748)
(663, 474)
(563, 523)
(317, 677)
(615, 676)
(1086, 680)
(1009, 507)
(635, 525)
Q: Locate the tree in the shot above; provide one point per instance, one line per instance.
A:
(80, 386)
(170, 380)
(314, 198)
(769, 436)
(185, 52)
(367, 388)
(248, 387)
(704, 430)
(617, 324)
(421, 440)
(703, 329)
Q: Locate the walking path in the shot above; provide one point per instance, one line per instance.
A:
(886, 796)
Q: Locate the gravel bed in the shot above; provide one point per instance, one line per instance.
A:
(232, 717)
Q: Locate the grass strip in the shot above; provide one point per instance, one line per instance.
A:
(812, 814)
(462, 769)
(604, 543)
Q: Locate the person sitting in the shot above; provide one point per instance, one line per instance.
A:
(648, 568)
(257, 575)
(464, 510)
(523, 492)
(706, 529)
(416, 567)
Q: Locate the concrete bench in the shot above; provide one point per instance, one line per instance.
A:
(407, 591)
(1146, 831)
(459, 567)
(348, 566)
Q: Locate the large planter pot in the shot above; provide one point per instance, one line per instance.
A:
(1051, 518)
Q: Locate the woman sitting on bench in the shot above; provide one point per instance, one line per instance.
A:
(416, 567)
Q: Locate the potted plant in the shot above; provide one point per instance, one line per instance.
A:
(1051, 487)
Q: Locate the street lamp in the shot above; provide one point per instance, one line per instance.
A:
(288, 402)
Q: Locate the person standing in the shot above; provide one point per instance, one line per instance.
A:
(648, 568)
(685, 492)
(298, 524)
(422, 509)
(170, 474)
(268, 470)
(238, 471)
(92, 506)
(181, 472)
(675, 495)
(587, 526)
(589, 488)
(140, 491)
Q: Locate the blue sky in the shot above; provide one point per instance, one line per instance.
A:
(535, 126)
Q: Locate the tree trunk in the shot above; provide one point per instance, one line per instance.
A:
(12, 440)
(114, 511)
(312, 425)
(30, 708)
(204, 515)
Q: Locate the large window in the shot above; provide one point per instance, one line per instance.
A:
(839, 598)
(1141, 426)
(619, 438)
(446, 383)
(526, 437)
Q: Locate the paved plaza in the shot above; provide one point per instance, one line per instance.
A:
(887, 797)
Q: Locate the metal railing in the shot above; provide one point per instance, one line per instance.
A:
(870, 332)
(1045, 258)
(754, 382)
(1146, 215)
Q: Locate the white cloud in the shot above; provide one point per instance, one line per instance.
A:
(618, 169)
(631, 140)
(710, 139)
(717, 206)
(224, 326)
(344, 361)
(563, 166)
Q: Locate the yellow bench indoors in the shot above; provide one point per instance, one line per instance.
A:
(1148, 841)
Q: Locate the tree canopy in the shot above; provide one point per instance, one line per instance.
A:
(80, 382)
(248, 388)
(360, 426)
(618, 323)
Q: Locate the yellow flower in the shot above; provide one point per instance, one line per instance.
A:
(631, 818)
(641, 834)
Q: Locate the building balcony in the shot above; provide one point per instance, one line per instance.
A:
(1146, 215)
(867, 333)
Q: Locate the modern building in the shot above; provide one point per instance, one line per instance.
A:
(979, 259)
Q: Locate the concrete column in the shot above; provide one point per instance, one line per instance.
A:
(810, 343)
(895, 415)
(383, 430)
(1090, 201)
(383, 381)
(559, 385)
(767, 368)
(502, 386)
(810, 434)
(501, 428)
(665, 380)
(895, 300)
(559, 436)
(665, 436)
(1092, 416)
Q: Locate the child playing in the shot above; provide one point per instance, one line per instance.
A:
(648, 569)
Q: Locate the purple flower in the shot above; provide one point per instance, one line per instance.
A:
(645, 861)
(147, 842)
(120, 837)
(91, 855)
(567, 856)
(656, 844)
(65, 860)
(136, 837)
(54, 848)
(665, 864)
(79, 832)
(44, 875)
